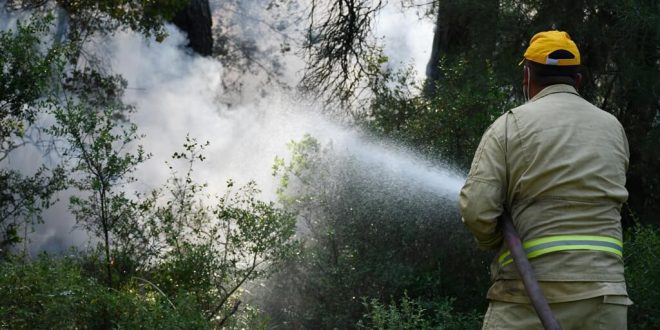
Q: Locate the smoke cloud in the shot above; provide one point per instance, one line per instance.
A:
(408, 39)
(176, 93)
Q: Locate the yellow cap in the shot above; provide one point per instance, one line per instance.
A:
(545, 43)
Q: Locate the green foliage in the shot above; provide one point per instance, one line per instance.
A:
(407, 315)
(305, 158)
(22, 199)
(53, 293)
(210, 247)
(250, 318)
(87, 17)
(28, 64)
(642, 248)
(447, 125)
(96, 144)
(647, 206)
(178, 264)
(27, 70)
(411, 314)
(36, 78)
(367, 232)
(144, 16)
(168, 259)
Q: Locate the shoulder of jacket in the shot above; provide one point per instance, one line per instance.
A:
(609, 117)
(522, 108)
(497, 128)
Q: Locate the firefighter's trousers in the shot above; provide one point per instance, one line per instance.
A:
(604, 312)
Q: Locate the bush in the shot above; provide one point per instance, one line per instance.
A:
(52, 293)
(642, 249)
(411, 314)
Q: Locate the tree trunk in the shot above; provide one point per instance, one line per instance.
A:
(462, 27)
(432, 70)
(196, 21)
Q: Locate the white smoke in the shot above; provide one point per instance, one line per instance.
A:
(408, 39)
(176, 94)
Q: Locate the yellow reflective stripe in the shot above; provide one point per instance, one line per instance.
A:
(573, 247)
(502, 256)
(564, 248)
(535, 248)
(549, 239)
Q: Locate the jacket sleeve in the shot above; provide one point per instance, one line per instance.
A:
(482, 198)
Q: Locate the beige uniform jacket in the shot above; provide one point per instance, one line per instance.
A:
(566, 161)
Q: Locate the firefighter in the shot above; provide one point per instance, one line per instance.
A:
(558, 165)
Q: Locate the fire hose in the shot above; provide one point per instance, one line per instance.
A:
(512, 241)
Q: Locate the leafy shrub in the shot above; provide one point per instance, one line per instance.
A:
(189, 243)
(642, 249)
(53, 293)
(411, 314)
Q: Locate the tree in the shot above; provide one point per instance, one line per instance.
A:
(254, 41)
(642, 272)
(209, 253)
(43, 73)
(29, 63)
(462, 28)
(36, 68)
(101, 166)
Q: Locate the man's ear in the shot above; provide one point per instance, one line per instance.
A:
(578, 81)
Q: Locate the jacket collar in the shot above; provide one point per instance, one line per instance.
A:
(552, 89)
